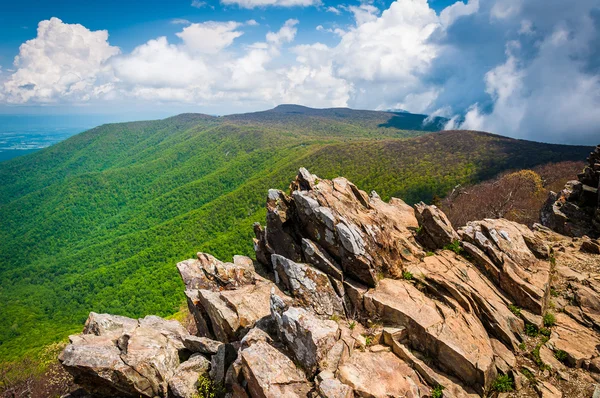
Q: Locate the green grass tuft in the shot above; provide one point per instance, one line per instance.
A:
(503, 383)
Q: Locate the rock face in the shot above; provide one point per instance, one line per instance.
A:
(501, 249)
(226, 299)
(454, 337)
(575, 211)
(352, 296)
(349, 225)
(127, 357)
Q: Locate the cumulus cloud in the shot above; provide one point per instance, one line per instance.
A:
(64, 61)
(276, 3)
(210, 37)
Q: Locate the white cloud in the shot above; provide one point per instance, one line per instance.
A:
(551, 97)
(364, 13)
(503, 9)
(333, 10)
(198, 3)
(457, 10)
(276, 3)
(285, 35)
(64, 62)
(210, 37)
(252, 22)
(180, 21)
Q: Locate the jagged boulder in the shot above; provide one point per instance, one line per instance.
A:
(226, 299)
(501, 249)
(436, 231)
(578, 342)
(453, 275)
(575, 211)
(380, 374)
(184, 383)
(308, 337)
(118, 356)
(350, 226)
(309, 286)
(269, 373)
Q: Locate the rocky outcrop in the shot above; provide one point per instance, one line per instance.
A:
(502, 250)
(351, 226)
(353, 296)
(575, 211)
(226, 299)
(127, 357)
(456, 338)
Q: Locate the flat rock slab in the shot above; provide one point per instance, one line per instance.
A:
(269, 373)
(465, 283)
(579, 342)
(453, 337)
(381, 374)
(517, 271)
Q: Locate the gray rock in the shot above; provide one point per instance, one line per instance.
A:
(184, 384)
(311, 287)
(308, 337)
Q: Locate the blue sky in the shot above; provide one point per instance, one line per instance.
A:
(522, 68)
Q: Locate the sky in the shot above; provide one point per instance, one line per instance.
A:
(527, 69)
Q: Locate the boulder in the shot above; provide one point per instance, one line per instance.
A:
(269, 373)
(590, 246)
(107, 325)
(220, 362)
(184, 384)
(318, 257)
(308, 337)
(380, 375)
(435, 229)
(547, 390)
(310, 287)
(516, 270)
(206, 272)
(504, 358)
(224, 297)
(455, 338)
(333, 388)
(229, 314)
(588, 299)
(202, 345)
(126, 357)
(453, 388)
(575, 211)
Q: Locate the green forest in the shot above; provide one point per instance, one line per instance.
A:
(98, 222)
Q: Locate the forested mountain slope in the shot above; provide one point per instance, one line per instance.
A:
(98, 221)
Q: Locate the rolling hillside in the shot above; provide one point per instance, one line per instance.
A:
(97, 222)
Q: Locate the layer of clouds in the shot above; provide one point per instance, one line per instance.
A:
(523, 68)
(275, 3)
